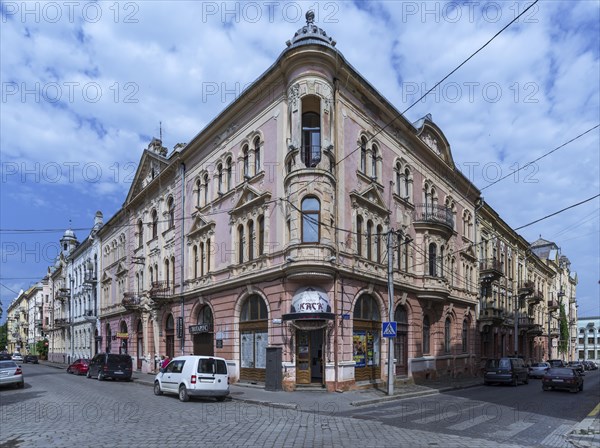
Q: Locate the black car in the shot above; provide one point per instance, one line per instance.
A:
(109, 365)
(563, 378)
(33, 359)
(505, 370)
(5, 357)
(577, 365)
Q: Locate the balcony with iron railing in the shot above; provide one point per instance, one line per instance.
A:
(491, 314)
(536, 297)
(526, 322)
(554, 332)
(60, 322)
(433, 215)
(526, 288)
(161, 291)
(90, 277)
(63, 294)
(131, 301)
(491, 269)
(553, 305)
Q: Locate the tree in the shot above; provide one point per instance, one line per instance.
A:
(563, 341)
(3, 336)
(42, 348)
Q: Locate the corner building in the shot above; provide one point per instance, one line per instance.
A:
(269, 229)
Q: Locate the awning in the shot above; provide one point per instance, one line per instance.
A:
(310, 302)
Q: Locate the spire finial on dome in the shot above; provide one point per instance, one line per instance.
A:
(310, 17)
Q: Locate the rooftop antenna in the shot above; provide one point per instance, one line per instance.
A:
(160, 130)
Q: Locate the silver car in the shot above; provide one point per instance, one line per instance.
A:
(538, 369)
(11, 374)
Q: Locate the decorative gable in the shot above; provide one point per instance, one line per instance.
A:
(201, 226)
(434, 139)
(105, 278)
(370, 199)
(150, 167)
(121, 270)
(249, 198)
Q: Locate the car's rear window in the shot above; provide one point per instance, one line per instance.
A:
(539, 364)
(561, 371)
(212, 366)
(119, 359)
(7, 364)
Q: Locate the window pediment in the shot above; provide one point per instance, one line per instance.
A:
(105, 278)
(201, 226)
(121, 270)
(249, 198)
(370, 199)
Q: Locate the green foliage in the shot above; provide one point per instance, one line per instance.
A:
(563, 341)
(42, 348)
(3, 335)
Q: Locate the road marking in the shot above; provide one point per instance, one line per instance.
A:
(595, 411)
(557, 438)
(445, 414)
(511, 430)
(472, 422)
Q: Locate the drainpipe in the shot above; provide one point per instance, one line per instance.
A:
(182, 264)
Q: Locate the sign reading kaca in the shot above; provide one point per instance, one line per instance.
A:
(310, 302)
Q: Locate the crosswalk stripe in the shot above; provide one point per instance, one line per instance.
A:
(472, 422)
(511, 430)
(447, 415)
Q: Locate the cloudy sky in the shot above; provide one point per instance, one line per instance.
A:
(86, 84)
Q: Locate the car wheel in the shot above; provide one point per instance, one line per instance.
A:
(157, 390)
(526, 380)
(100, 376)
(220, 398)
(581, 387)
(545, 388)
(183, 395)
(69, 370)
(515, 381)
(486, 383)
(88, 374)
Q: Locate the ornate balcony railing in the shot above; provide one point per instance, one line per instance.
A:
(433, 214)
(554, 332)
(63, 294)
(526, 322)
(536, 297)
(552, 305)
(131, 301)
(161, 291)
(492, 314)
(491, 269)
(90, 277)
(60, 322)
(526, 289)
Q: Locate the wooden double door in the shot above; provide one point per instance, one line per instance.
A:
(310, 352)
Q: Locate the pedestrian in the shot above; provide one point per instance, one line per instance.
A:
(165, 362)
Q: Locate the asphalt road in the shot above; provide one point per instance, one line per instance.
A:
(56, 409)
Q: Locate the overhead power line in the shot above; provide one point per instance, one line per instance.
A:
(556, 213)
(443, 79)
(541, 157)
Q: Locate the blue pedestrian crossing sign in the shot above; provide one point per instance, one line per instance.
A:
(389, 329)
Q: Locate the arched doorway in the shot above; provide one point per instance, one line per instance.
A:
(254, 338)
(170, 336)
(123, 338)
(366, 339)
(401, 345)
(202, 333)
(140, 344)
(108, 338)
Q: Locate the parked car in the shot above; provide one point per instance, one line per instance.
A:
(577, 365)
(593, 365)
(4, 356)
(11, 374)
(79, 366)
(17, 357)
(505, 370)
(33, 359)
(556, 363)
(109, 365)
(538, 369)
(194, 376)
(563, 378)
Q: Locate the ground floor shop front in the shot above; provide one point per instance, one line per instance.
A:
(329, 333)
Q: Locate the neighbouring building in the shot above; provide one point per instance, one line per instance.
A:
(588, 340)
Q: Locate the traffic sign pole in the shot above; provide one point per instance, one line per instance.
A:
(390, 379)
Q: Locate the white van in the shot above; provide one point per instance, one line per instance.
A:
(194, 376)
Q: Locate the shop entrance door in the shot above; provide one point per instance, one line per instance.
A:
(309, 357)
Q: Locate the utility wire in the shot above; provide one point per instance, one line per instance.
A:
(443, 79)
(556, 213)
(541, 157)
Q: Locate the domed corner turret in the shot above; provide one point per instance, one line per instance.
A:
(311, 34)
(68, 242)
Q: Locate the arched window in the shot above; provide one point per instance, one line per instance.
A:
(171, 211)
(447, 334)
(229, 170)
(220, 189)
(257, 159)
(465, 336)
(208, 253)
(311, 139)
(140, 232)
(241, 243)
(195, 255)
(359, 231)
(399, 184)
(254, 338)
(202, 259)
(432, 259)
(167, 272)
(441, 273)
(366, 338)
(246, 158)
(369, 239)
(379, 244)
(426, 330)
(406, 184)
(261, 235)
(154, 224)
(250, 240)
(198, 193)
(375, 155)
(363, 155)
(311, 217)
(205, 189)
